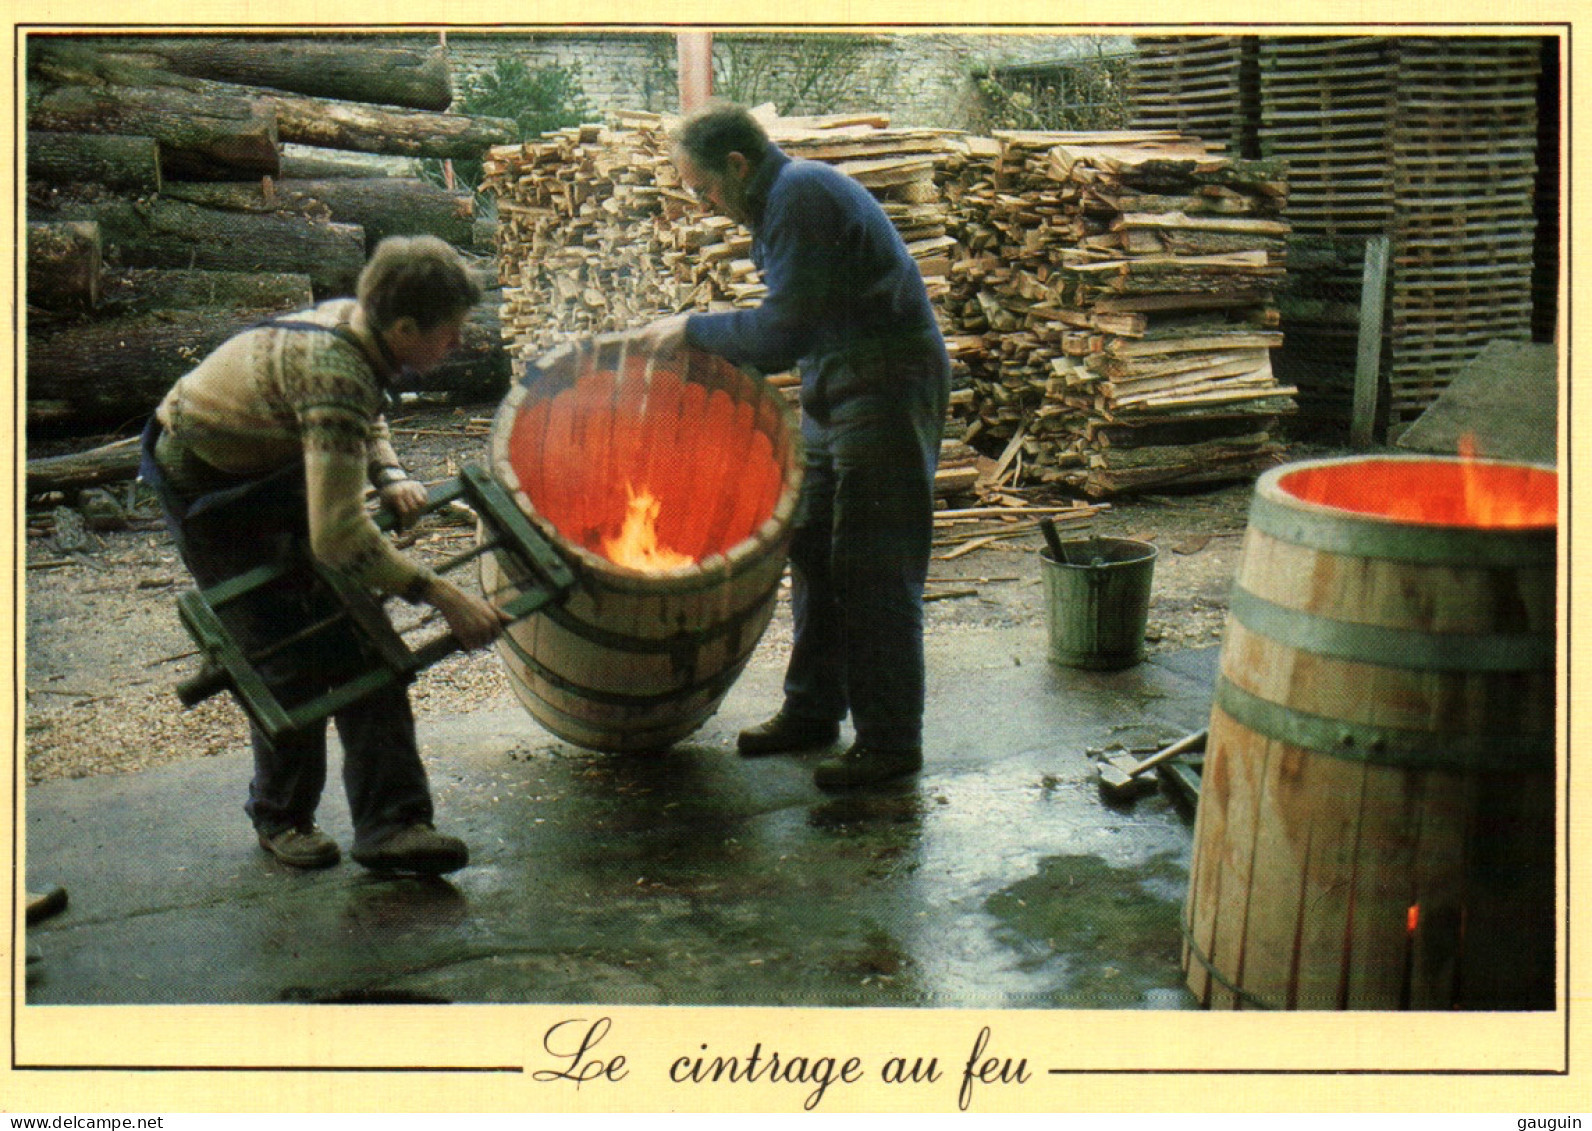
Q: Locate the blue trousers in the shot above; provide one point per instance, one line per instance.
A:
(230, 525)
(860, 544)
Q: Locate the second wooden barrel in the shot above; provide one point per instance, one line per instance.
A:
(1377, 809)
(670, 489)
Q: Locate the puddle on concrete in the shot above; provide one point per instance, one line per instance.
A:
(1110, 934)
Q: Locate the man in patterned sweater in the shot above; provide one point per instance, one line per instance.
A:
(268, 442)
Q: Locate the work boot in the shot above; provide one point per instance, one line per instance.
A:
(784, 733)
(864, 764)
(301, 846)
(415, 848)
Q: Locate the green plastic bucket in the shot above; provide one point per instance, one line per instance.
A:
(1099, 600)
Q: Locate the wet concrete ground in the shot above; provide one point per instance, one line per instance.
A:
(996, 879)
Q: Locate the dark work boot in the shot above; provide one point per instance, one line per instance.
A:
(416, 848)
(863, 765)
(301, 846)
(784, 733)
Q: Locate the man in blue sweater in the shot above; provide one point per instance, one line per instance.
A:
(846, 303)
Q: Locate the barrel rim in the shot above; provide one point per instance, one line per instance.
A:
(770, 536)
(1269, 487)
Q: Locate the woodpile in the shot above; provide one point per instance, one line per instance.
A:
(1204, 85)
(596, 233)
(1113, 304)
(1466, 130)
(1432, 142)
(1106, 294)
(577, 210)
(163, 216)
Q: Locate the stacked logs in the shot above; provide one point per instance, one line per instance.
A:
(163, 215)
(1114, 307)
(596, 234)
(1107, 296)
(577, 214)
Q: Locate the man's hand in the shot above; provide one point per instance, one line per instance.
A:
(406, 498)
(474, 622)
(664, 337)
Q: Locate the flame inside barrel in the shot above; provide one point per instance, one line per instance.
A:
(1437, 491)
(648, 469)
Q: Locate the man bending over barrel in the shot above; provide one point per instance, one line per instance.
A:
(269, 441)
(846, 302)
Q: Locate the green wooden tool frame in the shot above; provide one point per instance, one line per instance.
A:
(228, 667)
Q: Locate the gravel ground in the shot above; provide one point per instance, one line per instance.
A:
(105, 648)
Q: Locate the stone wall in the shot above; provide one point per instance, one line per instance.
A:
(918, 78)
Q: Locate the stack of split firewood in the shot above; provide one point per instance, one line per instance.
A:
(1114, 306)
(1106, 296)
(596, 233)
(902, 167)
(577, 214)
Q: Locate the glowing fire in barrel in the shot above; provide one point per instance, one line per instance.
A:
(669, 486)
(636, 545)
(638, 452)
(1467, 492)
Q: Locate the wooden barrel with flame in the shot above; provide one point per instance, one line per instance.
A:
(669, 487)
(1376, 814)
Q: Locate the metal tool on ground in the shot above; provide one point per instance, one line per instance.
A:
(228, 667)
(1123, 777)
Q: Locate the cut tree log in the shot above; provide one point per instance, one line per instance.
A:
(363, 128)
(64, 265)
(144, 290)
(301, 166)
(115, 371)
(383, 206)
(172, 233)
(108, 463)
(322, 66)
(201, 136)
(119, 163)
(65, 64)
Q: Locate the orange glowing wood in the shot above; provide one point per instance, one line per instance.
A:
(1439, 492)
(584, 454)
(594, 393)
(556, 474)
(528, 440)
(599, 470)
(754, 501)
(676, 484)
(629, 399)
(712, 465)
(737, 443)
(661, 407)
